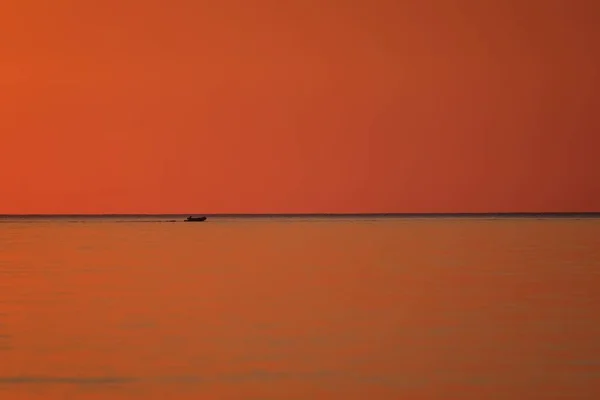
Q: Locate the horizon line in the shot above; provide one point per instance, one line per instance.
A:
(290, 215)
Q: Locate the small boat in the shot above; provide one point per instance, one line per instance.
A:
(195, 219)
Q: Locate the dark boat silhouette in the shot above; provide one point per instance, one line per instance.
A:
(195, 219)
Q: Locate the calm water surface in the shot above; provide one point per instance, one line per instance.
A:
(300, 309)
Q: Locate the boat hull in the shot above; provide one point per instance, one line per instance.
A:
(198, 219)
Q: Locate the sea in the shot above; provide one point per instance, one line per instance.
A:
(306, 308)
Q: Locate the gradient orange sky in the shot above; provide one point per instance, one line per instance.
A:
(128, 106)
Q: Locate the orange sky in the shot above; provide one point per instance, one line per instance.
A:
(128, 106)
